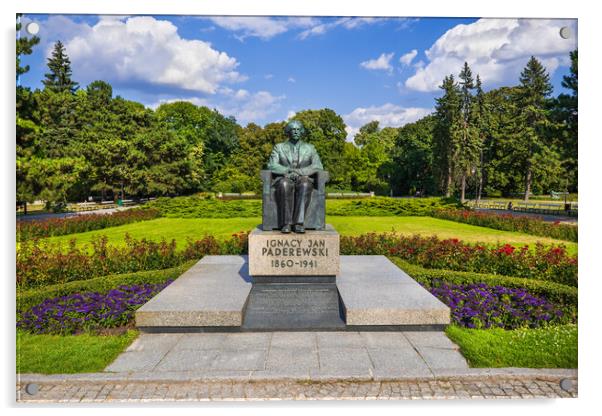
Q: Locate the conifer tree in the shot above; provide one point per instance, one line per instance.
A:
(59, 77)
(468, 147)
(447, 133)
(533, 115)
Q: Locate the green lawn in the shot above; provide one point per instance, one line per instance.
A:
(195, 228)
(553, 347)
(56, 354)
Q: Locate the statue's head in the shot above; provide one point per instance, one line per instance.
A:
(294, 130)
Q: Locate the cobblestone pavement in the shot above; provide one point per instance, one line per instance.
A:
(501, 387)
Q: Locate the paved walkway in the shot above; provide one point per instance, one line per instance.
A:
(293, 366)
(299, 355)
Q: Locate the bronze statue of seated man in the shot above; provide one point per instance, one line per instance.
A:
(292, 163)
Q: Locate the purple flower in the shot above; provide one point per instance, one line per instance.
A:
(85, 311)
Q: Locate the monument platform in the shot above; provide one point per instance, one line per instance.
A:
(213, 296)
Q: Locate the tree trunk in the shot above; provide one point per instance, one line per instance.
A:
(480, 188)
(448, 182)
(528, 184)
(463, 190)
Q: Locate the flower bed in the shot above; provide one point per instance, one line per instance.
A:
(543, 263)
(87, 311)
(27, 230)
(483, 306)
(508, 222)
(42, 263)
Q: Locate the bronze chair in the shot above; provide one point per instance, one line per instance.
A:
(315, 217)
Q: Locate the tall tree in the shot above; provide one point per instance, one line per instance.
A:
(59, 77)
(480, 122)
(26, 126)
(468, 146)
(447, 133)
(413, 158)
(565, 114)
(24, 47)
(325, 129)
(535, 87)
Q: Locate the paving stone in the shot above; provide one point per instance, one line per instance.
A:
(433, 339)
(294, 340)
(242, 360)
(208, 341)
(249, 340)
(289, 358)
(385, 340)
(136, 361)
(344, 359)
(398, 363)
(339, 340)
(187, 360)
(154, 342)
(442, 358)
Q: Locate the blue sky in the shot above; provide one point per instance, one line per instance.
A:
(263, 69)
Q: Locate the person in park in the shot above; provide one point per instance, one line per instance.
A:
(293, 163)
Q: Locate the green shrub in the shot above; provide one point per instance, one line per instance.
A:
(28, 298)
(383, 206)
(508, 222)
(203, 207)
(554, 292)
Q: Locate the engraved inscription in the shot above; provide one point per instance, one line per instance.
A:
(295, 300)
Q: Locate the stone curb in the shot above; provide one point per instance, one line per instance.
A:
(257, 376)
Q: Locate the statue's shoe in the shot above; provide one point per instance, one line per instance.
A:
(286, 229)
(300, 229)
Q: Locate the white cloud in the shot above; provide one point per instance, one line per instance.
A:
(497, 49)
(406, 59)
(383, 62)
(261, 27)
(147, 51)
(268, 76)
(292, 80)
(321, 27)
(388, 115)
(246, 107)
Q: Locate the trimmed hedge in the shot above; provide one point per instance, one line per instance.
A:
(31, 297)
(204, 207)
(554, 292)
(384, 207)
(508, 222)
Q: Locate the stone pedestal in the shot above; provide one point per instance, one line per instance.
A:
(294, 281)
(314, 253)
